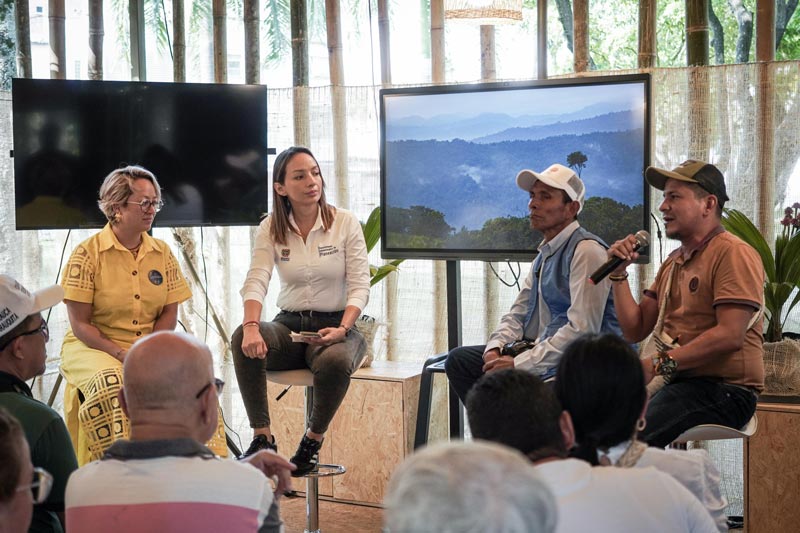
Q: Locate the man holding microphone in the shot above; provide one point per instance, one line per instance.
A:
(704, 310)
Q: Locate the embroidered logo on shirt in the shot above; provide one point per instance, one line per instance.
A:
(285, 254)
(327, 250)
(155, 277)
(693, 284)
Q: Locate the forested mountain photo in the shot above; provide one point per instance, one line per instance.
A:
(450, 169)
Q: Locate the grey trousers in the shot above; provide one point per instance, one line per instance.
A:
(331, 365)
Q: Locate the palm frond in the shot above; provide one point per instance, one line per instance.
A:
(737, 223)
(372, 229)
(276, 25)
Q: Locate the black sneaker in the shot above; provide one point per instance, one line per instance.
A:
(260, 442)
(306, 458)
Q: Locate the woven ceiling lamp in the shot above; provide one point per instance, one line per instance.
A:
(484, 12)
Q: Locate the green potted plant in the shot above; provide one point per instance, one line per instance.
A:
(782, 269)
(372, 234)
(367, 325)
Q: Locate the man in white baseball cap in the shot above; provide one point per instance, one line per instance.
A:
(23, 351)
(558, 177)
(556, 304)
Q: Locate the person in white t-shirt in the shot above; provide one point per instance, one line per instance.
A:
(516, 408)
(601, 386)
(321, 259)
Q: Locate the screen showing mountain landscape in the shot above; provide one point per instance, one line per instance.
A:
(451, 156)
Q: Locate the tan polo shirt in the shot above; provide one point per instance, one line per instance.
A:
(722, 269)
(127, 294)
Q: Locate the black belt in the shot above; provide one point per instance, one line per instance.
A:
(312, 314)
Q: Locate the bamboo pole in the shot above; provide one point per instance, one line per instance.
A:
(491, 292)
(697, 32)
(383, 36)
(22, 23)
(699, 97)
(541, 40)
(336, 73)
(138, 45)
(178, 42)
(647, 34)
(96, 33)
(299, 23)
(440, 343)
(219, 18)
(58, 47)
(437, 41)
(580, 35)
(391, 283)
(765, 134)
(488, 66)
(252, 53)
(646, 60)
(334, 36)
(220, 31)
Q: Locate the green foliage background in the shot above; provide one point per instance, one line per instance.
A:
(422, 227)
(613, 33)
(8, 61)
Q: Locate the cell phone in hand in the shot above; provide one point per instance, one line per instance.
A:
(310, 334)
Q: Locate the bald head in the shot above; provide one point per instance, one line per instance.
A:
(164, 371)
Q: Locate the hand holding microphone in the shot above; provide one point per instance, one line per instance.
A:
(621, 254)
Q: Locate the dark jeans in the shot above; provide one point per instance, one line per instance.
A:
(464, 366)
(331, 365)
(689, 402)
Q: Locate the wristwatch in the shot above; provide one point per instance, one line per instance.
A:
(664, 365)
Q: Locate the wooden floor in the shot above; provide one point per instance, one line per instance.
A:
(333, 517)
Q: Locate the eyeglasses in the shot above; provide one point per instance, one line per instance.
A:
(43, 329)
(217, 383)
(42, 483)
(145, 205)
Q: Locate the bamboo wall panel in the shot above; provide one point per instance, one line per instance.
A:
(368, 439)
(773, 470)
(371, 434)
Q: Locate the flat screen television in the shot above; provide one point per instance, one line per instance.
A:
(206, 144)
(450, 155)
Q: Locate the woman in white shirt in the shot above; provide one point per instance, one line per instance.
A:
(601, 384)
(321, 259)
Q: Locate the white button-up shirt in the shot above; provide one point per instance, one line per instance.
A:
(327, 272)
(585, 314)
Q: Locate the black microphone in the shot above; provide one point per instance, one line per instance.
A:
(642, 240)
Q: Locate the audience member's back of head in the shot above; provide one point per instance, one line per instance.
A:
(162, 370)
(468, 487)
(516, 408)
(601, 385)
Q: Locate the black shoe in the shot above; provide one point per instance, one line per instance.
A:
(306, 458)
(260, 442)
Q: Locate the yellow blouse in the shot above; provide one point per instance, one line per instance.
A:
(127, 294)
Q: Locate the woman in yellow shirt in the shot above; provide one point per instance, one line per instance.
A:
(119, 285)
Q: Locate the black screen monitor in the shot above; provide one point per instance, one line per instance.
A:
(206, 144)
(450, 155)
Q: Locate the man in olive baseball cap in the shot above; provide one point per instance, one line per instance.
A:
(704, 174)
(703, 309)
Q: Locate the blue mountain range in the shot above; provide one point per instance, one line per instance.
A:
(474, 181)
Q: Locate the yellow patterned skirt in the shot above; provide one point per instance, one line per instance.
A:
(98, 421)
